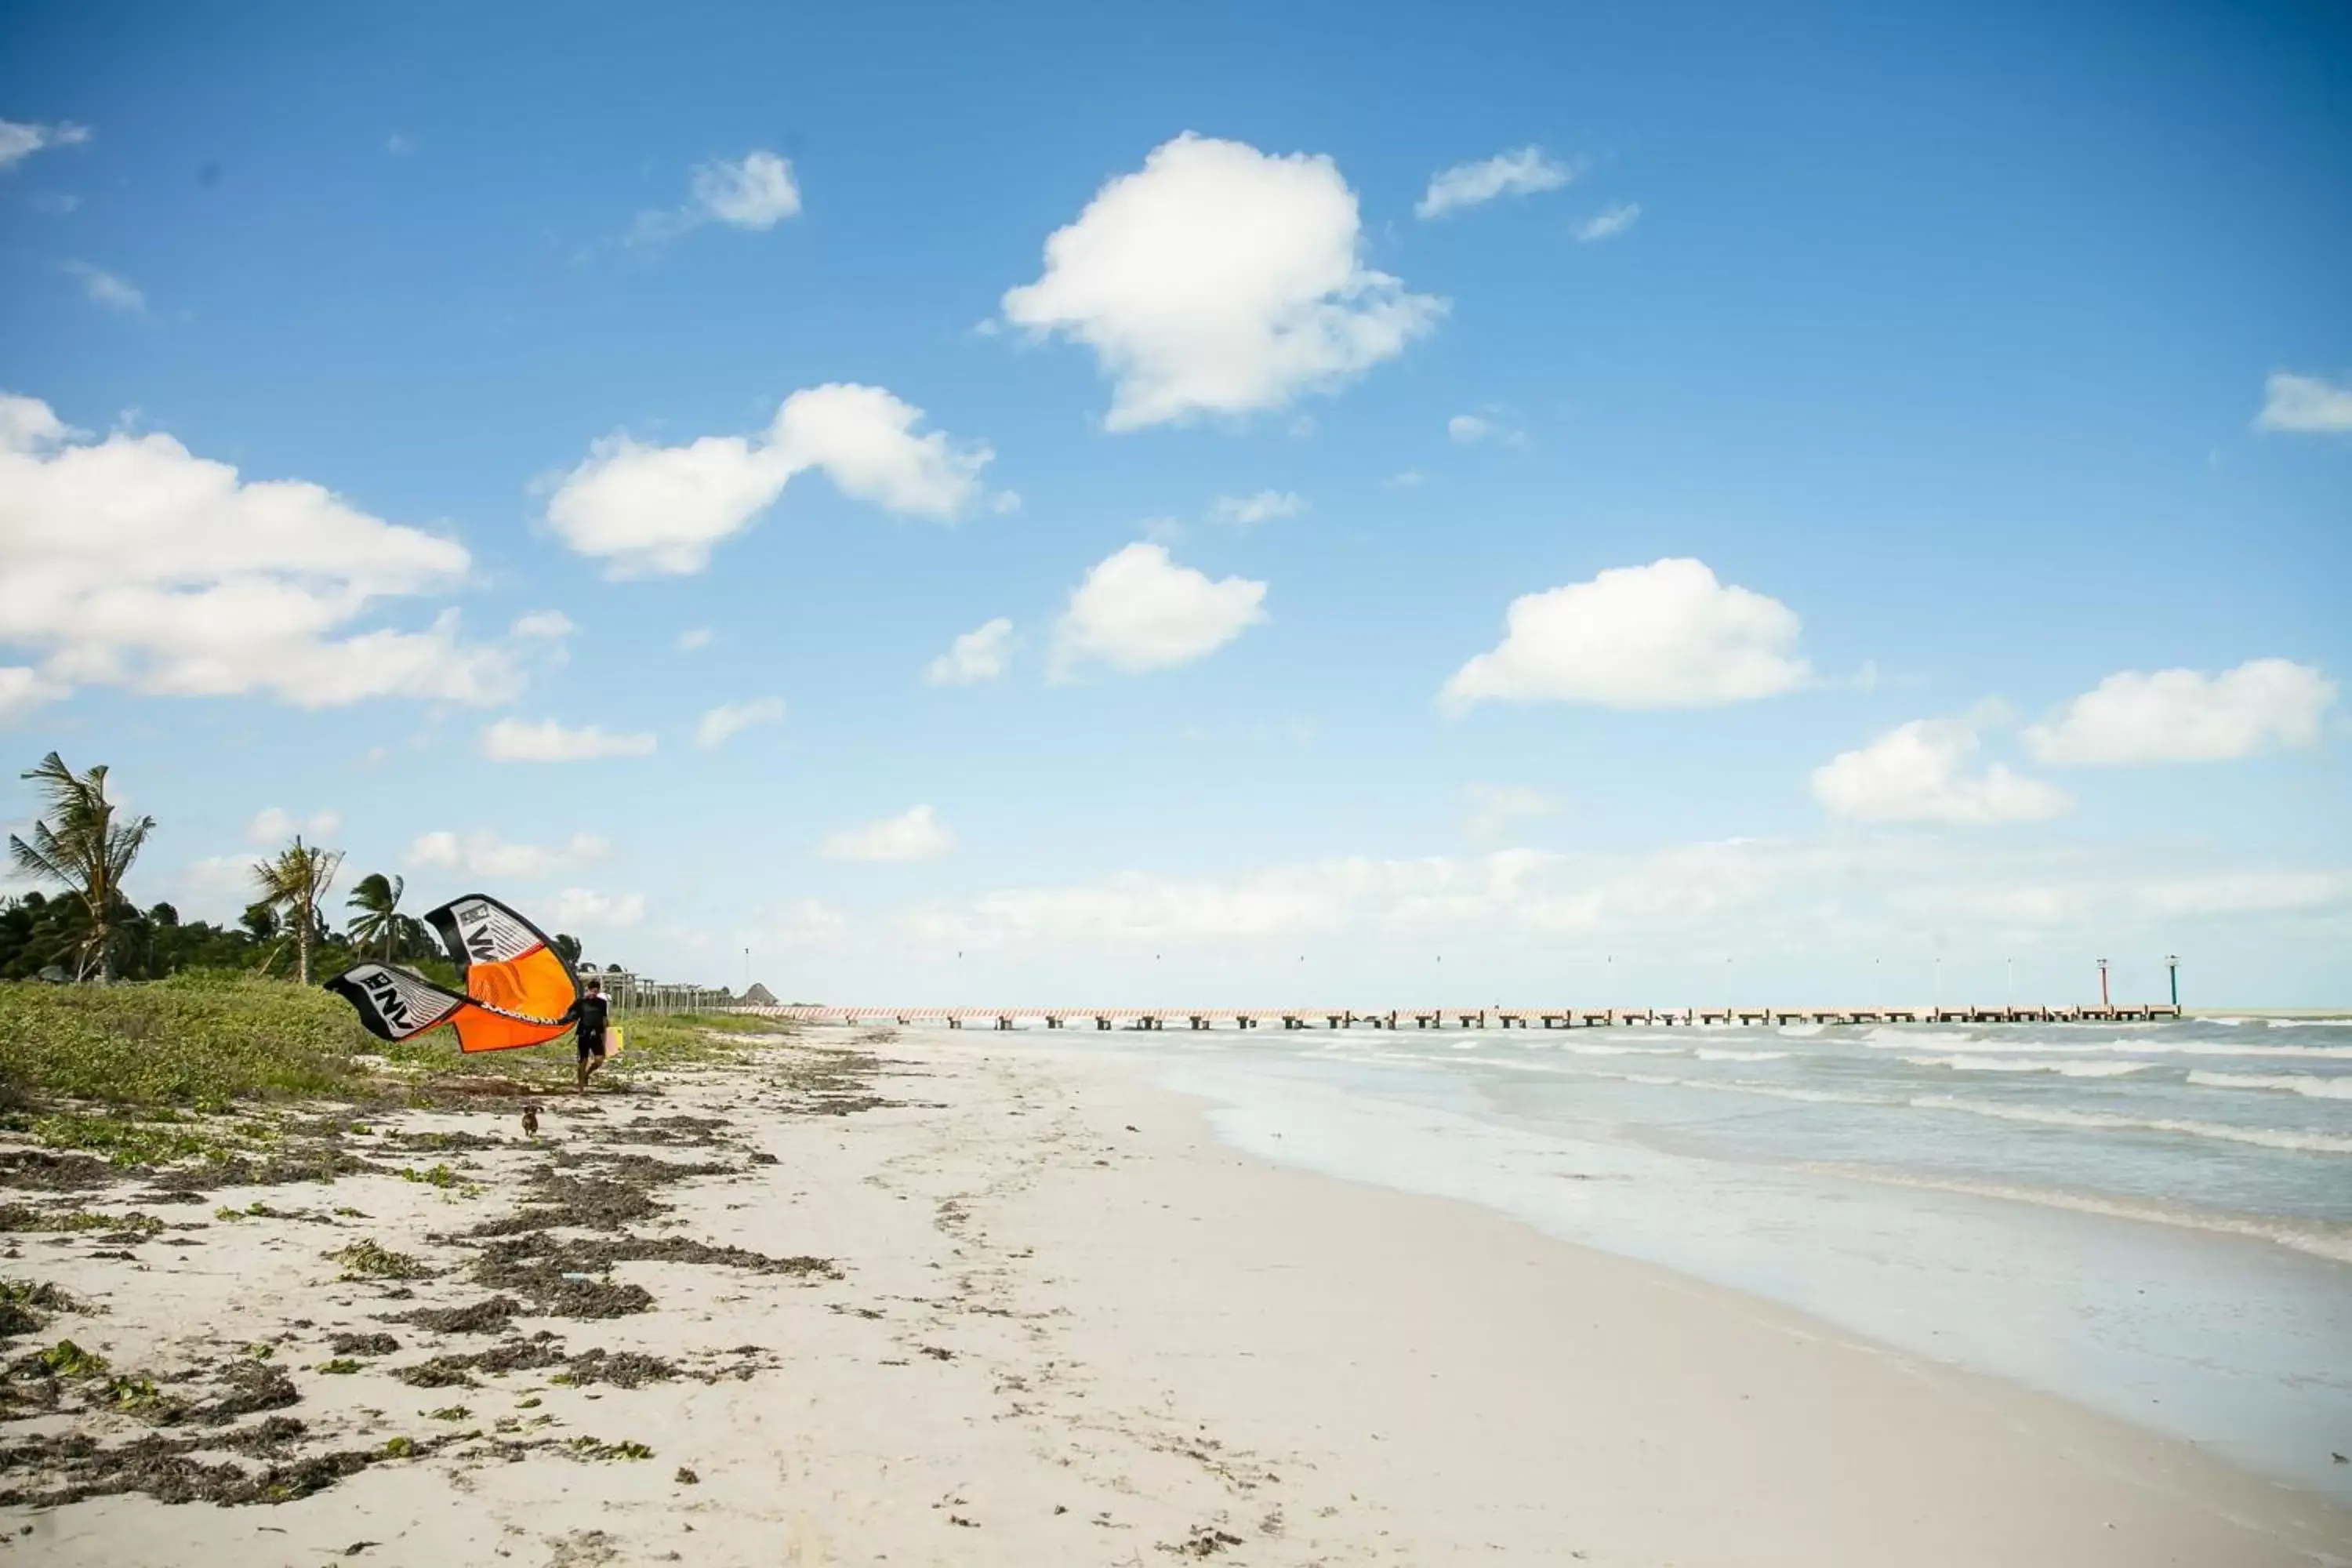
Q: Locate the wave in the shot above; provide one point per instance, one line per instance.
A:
(1731, 1055)
(2310, 1084)
(1769, 1090)
(1802, 1031)
(2068, 1069)
(1626, 1050)
(2138, 1047)
(1888, 1036)
(2100, 1122)
(2318, 1238)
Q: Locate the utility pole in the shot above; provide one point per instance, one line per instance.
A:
(2102, 985)
(2172, 972)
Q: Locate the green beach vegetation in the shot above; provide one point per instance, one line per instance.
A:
(133, 1036)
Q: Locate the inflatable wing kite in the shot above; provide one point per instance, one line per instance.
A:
(518, 990)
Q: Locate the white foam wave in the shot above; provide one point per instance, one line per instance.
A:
(1732, 1056)
(2319, 1239)
(2311, 1084)
(1912, 1038)
(2100, 1122)
(1626, 1050)
(1802, 1031)
(1769, 1090)
(2068, 1068)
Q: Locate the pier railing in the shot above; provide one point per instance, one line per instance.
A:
(1462, 1017)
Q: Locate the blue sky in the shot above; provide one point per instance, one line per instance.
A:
(1981, 377)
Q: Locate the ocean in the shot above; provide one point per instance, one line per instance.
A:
(2153, 1220)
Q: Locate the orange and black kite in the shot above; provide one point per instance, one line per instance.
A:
(518, 990)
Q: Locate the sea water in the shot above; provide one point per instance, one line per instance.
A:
(2154, 1220)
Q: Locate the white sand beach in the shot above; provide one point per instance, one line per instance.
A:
(1057, 1324)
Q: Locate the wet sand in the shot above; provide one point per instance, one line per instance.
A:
(930, 1301)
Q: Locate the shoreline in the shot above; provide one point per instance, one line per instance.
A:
(1056, 1320)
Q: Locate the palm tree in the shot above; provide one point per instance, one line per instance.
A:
(296, 882)
(79, 844)
(377, 897)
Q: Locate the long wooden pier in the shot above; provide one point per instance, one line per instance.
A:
(1463, 1017)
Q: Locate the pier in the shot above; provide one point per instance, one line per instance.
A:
(1201, 1018)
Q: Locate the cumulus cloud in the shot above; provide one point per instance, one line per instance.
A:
(130, 561)
(692, 638)
(1609, 222)
(979, 654)
(2182, 716)
(1663, 635)
(1219, 279)
(914, 835)
(1496, 809)
(276, 825)
(1523, 173)
(1467, 428)
(22, 690)
(484, 854)
(1138, 610)
(584, 908)
(544, 625)
(728, 719)
(654, 510)
(2307, 405)
(546, 740)
(103, 288)
(1918, 773)
(754, 192)
(19, 140)
(1265, 506)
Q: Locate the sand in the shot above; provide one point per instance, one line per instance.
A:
(1023, 1310)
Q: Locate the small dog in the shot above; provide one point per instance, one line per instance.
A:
(530, 1120)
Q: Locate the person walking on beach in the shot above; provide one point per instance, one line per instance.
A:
(589, 1013)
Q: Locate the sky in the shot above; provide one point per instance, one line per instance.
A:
(1606, 505)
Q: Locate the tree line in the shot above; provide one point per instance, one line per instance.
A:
(88, 929)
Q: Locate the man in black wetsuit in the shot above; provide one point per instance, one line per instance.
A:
(589, 1012)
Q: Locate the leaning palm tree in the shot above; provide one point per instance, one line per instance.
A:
(297, 881)
(377, 897)
(79, 844)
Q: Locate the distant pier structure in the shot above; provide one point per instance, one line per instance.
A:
(1462, 1018)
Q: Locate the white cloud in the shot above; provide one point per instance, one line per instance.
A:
(1523, 173)
(130, 561)
(2182, 716)
(1217, 279)
(103, 288)
(802, 923)
(1609, 222)
(979, 654)
(1138, 610)
(2250, 892)
(19, 140)
(583, 910)
(547, 625)
(1405, 479)
(693, 638)
(1496, 809)
(1663, 635)
(1265, 506)
(276, 825)
(913, 834)
(754, 192)
(728, 719)
(22, 690)
(649, 510)
(484, 854)
(522, 740)
(2305, 403)
(1917, 772)
(1468, 429)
